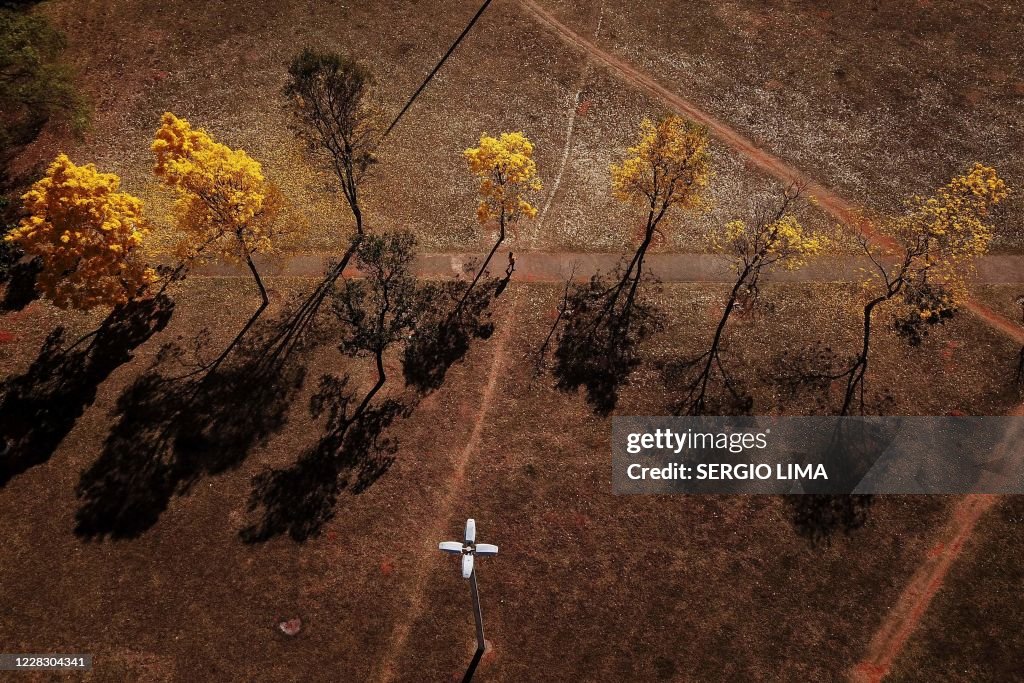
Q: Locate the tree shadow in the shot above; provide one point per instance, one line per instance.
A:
(812, 376)
(170, 433)
(443, 338)
(853, 448)
(21, 286)
(819, 517)
(724, 397)
(806, 375)
(41, 406)
(598, 347)
(352, 455)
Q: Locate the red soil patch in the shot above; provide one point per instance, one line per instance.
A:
(973, 96)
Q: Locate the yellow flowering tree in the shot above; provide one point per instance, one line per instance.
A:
(88, 236)
(226, 207)
(772, 239)
(507, 176)
(667, 170)
(931, 257)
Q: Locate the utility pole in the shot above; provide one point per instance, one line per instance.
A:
(469, 549)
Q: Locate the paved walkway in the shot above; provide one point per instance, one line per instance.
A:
(543, 266)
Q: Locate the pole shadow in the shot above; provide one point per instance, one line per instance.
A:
(471, 671)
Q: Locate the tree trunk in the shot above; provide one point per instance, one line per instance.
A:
(855, 381)
(487, 261)
(258, 279)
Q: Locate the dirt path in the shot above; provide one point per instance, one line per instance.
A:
(846, 212)
(996, 320)
(575, 105)
(769, 163)
(445, 506)
(913, 602)
(889, 640)
(546, 266)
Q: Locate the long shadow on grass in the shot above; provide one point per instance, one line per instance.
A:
(41, 406)
(352, 455)
(458, 316)
(598, 346)
(171, 433)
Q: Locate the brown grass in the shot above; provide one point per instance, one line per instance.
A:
(588, 586)
(974, 630)
(880, 100)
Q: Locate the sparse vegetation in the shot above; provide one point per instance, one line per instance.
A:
(37, 86)
(300, 483)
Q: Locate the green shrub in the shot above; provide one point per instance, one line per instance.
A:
(35, 86)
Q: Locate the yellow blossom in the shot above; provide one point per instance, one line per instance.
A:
(669, 166)
(225, 207)
(507, 173)
(87, 235)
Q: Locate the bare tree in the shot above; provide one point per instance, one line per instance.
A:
(331, 99)
(380, 309)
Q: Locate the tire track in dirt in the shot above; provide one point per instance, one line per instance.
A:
(844, 211)
(574, 109)
(443, 510)
(890, 638)
(574, 112)
(774, 166)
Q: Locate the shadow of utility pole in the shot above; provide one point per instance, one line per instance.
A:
(473, 665)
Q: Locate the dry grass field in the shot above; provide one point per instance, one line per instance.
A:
(983, 600)
(148, 532)
(588, 586)
(878, 99)
(914, 102)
